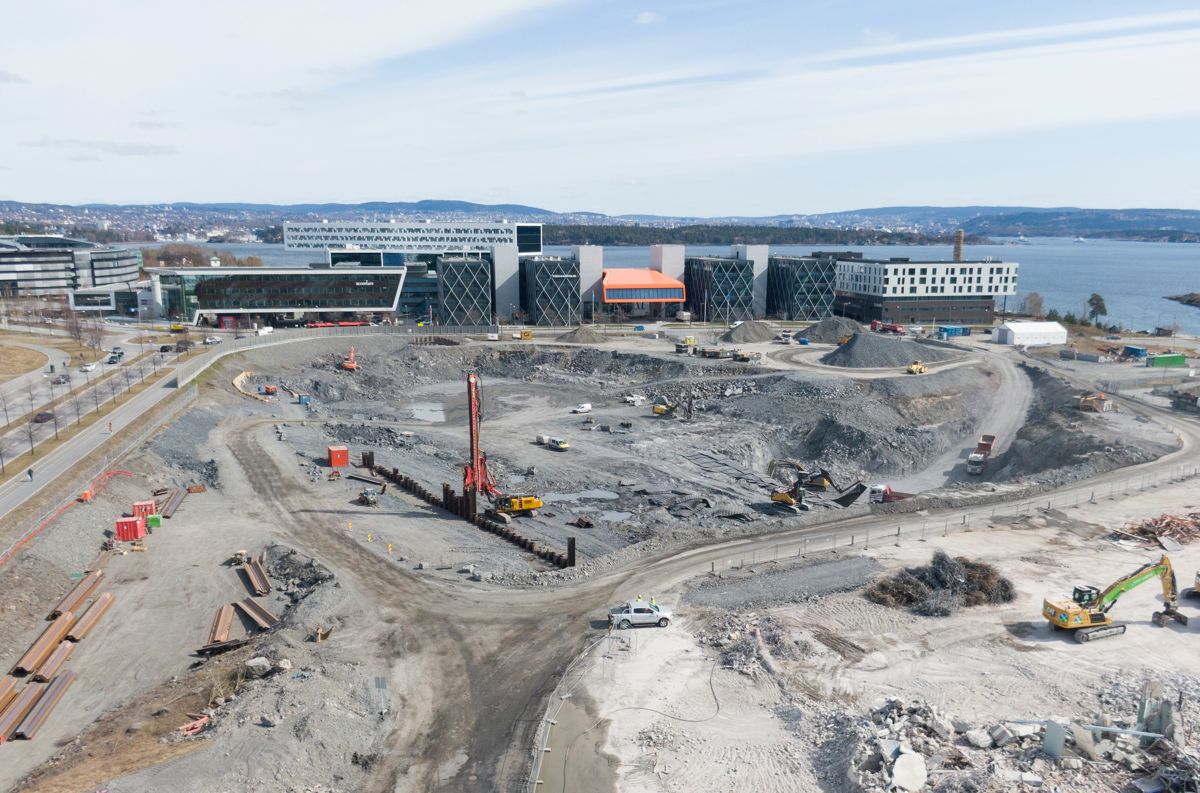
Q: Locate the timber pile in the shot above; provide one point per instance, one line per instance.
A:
(939, 588)
(1180, 528)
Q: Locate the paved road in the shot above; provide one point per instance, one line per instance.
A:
(16, 391)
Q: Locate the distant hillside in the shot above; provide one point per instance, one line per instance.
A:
(732, 235)
(1168, 224)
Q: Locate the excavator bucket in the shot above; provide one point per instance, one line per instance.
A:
(850, 494)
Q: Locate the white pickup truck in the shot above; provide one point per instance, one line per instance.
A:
(632, 614)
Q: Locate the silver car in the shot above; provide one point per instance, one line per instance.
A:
(631, 614)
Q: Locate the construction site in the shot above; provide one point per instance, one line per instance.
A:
(864, 562)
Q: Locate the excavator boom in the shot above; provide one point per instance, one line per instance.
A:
(1086, 613)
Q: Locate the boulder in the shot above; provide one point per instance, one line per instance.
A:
(979, 739)
(258, 667)
(1000, 735)
(908, 772)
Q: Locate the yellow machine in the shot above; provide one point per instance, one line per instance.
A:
(519, 505)
(526, 334)
(1086, 613)
(690, 341)
(177, 327)
(844, 340)
(916, 367)
(820, 480)
(791, 498)
(667, 410)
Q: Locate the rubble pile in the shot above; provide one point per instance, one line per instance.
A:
(941, 587)
(742, 640)
(582, 335)
(872, 351)
(831, 330)
(914, 747)
(371, 435)
(1180, 528)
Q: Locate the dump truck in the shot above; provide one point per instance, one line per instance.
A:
(977, 460)
(883, 494)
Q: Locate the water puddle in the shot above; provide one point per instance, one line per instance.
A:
(552, 498)
(432, 412)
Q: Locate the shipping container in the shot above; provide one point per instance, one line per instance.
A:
(954, 330)
(130, 529)
(144, 509)
(304, 399)
(339, 456)
(1133, 351)
(1167, 360)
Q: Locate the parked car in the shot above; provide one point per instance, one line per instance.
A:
(113, 360)
(583, 407)
(43, 417)
(212, 339)
(118, 352)
(90, 366)
(166, 347)
(60, 379)
(632, 614)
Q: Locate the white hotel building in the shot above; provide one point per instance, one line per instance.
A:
(904, 291)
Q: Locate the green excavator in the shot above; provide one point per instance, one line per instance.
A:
(1086, 613)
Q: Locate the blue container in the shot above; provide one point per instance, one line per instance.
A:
(305, 399)
(803, 340)
(1133, 351)
(639, 328)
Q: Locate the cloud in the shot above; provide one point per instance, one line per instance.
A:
(876, 38)
(649, 18)
(681, 81)
(10, 77)
(105, 147)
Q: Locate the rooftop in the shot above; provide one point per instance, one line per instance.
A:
(635, 278)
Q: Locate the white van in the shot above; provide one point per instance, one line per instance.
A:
(266, 330)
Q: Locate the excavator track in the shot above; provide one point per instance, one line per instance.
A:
(1084, 635)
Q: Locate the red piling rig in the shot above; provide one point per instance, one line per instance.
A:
(476, 475)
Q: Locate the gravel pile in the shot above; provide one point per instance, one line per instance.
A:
(749, 332)
(831, 330)
(582, 335)
(179, 446)
(873, 351)
(371, 435)
(798, 584)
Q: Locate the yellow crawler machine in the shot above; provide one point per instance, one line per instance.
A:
(790, 498)
(518, 505)
(917, 367)
(1086, 613)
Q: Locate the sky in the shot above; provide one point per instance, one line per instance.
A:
(680, 107)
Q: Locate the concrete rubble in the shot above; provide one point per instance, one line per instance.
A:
(912, 746)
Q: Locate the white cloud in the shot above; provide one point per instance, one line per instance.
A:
(649, 18)
(876, 38)
(11, 77)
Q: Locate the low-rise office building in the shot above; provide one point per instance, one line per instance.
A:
(37, 265)
(922, 292)
(273, 295)
(550, 294)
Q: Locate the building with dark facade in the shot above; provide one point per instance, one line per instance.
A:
(922, 292)
(269, 294)
(550, 294)
(719, 288)
(802, 287)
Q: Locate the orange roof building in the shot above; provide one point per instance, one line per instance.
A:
(628, 285)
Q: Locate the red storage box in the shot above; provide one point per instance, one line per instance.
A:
(130, 529)
(144, 509)
(339, 456)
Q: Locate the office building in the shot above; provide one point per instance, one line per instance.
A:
(637, 292)
(36, 265)
(465, 291)
(802, 287)
(719, 288)
(502, 244)
(273, 295)
(922, 292)
(550, 293)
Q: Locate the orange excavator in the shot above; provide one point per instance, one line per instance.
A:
(349, 363)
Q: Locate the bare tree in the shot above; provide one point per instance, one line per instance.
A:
(93, 334)
(29, 425)
(4, 407)
(75, 326)
(1034, 305)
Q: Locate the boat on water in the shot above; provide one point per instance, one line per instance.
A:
(1079, 239)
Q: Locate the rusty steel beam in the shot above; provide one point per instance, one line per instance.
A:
(220, 647)
(77, 596)
(256, 578)
(18, 709)
(8, 690)
(49, 669)
(173, 501)
(221, 623)
(45, 706)
(99, 562)
(259, 615)
(40, 650)
(91, 617)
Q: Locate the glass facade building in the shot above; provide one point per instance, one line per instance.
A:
(801, 287)
(719, 289)
(550, 291)
(186, 293)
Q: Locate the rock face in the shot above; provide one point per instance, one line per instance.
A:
(258, 667)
